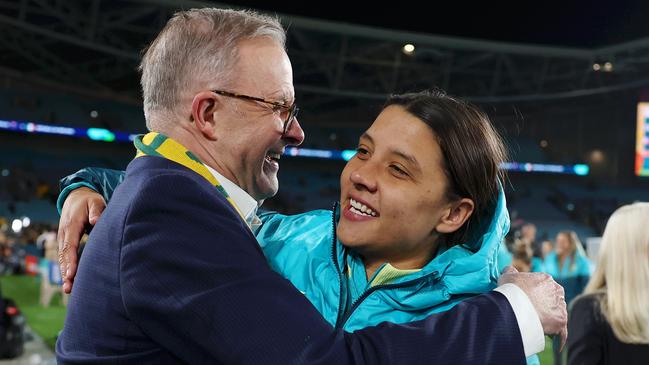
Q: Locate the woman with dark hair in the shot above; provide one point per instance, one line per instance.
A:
(419, 222)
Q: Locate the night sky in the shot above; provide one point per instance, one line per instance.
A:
(567, 23)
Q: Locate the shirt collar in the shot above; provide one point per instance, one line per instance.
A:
(243, 200)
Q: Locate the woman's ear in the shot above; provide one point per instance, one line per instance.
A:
(456, 214)
(204, 107)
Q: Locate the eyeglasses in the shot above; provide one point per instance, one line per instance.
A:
(290, 111)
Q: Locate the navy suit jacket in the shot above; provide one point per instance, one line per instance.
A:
(172, 275)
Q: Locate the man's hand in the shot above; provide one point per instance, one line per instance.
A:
(547, 297)
(81, 209)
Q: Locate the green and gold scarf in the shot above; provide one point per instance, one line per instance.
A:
(156, 144)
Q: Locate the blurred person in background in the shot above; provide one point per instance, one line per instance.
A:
(522, 257)
(50, 272)
(516, 248)
(568, 264)
(528, 236)
(50, 245)
(12, 254)
(546, 248)
(609, 323)
(47, 236)
(570, 267)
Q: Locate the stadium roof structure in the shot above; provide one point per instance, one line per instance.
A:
(93, 47)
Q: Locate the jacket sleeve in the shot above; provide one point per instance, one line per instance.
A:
(103, 181)
(585, 334)
(195, 280)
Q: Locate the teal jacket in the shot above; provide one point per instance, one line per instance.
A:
(573, 278)
(304, 249)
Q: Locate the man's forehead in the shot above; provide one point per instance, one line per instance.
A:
(264, 67)
(264, 87)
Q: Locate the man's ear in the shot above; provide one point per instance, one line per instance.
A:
(204, 110)
(455, 215)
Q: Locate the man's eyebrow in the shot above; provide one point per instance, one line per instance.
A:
(282, 97)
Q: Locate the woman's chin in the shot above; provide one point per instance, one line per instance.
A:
(351, 239)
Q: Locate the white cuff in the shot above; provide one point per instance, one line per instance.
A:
(527, 318)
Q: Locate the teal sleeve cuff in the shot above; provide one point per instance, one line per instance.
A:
(67, 190)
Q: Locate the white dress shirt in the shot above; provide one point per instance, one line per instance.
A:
(246, 204)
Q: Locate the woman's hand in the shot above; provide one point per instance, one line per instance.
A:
(81, 210)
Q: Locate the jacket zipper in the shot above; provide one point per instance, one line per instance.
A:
(371, 290)
(334, 258)
(343, 314)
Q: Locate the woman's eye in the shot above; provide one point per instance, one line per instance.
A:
(398, 170)
(362, 153)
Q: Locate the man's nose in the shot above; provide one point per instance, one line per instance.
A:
(294, 136)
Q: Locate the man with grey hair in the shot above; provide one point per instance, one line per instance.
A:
(172, 272)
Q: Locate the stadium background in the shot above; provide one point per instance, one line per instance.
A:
(561, 83)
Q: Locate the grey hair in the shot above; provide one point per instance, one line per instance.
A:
(197, 44)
